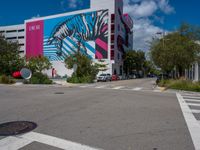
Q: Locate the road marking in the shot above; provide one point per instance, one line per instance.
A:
(193, 104)
(17, 142)
(192, 100)
(191, 97)
(101, 86)
(195, 111)
(192, 123)
(13, 143)
(137, 89)
(118, 87)
(156, 90)
(56, 142)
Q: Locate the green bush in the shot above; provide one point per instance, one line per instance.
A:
(39, 78)
(6, 80)
(181, 85)
(83, 79)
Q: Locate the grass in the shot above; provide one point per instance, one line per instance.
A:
(180, 85)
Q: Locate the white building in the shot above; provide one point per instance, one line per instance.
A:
(102, 32)
(15, 33)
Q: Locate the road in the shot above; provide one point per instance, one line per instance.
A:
(109, 116)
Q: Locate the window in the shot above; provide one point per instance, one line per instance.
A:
(2, 31)
(112, 28)
(112, 55)
(11, 38)
(10, 31)
(21, 37)
(112, 38)
(21, 44)
(112, 47)
(21, 30)
(113, 18)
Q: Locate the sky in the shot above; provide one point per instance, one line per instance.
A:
(149, 16)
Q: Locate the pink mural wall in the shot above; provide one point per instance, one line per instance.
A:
(34, 38)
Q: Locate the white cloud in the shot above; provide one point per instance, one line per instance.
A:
(143, 13)
(37, 16)
(73, 4)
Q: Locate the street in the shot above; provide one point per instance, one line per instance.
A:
(123, 115)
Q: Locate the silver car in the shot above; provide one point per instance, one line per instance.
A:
(104, 77)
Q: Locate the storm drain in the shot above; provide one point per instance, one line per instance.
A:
(59, 93)
(16, 128)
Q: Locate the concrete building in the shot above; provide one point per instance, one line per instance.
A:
(15, 33)
(102, 32)
(194, 72)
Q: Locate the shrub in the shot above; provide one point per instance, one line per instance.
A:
(83, 79)
(181, 85)
(6, 80)
(39, 78)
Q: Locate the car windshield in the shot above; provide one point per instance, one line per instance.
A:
(103, 75)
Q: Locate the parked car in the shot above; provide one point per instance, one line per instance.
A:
(104, 77)
(115, 77)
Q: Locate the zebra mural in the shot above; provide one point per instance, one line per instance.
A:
(87, 32)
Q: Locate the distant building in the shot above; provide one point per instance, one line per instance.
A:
(15, 33)
(194, 72)
(101, 32)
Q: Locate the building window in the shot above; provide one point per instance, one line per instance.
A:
(10, 31)
(112, 28)
(113, 18)
(22, 30)
(112, 55)
(21, 44)
(21, 37)
(11, 38)
(112, 38)
(112, 47)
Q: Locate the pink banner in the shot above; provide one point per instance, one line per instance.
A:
(34, 38)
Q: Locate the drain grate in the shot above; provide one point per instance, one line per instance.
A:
(59, 93)
(16, 128)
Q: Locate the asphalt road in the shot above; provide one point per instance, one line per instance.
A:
(102, 118)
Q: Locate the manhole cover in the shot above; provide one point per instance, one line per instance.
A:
(17, 127)
(59, 92)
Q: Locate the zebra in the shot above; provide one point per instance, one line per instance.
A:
(80, 28)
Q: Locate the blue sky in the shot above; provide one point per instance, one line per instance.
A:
(150, 16)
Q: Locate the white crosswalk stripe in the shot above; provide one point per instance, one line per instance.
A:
(137, 89)
(118, 87)
(192, 100)
(190, 117)
(193, 104)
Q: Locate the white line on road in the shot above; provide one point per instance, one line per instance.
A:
(14, 143)
(137, 89)
(192, 100)
(195, 111)
(193, 104)
(56, 142)
(101, 86)
(192, 123)
(118, 87)
(191, 97)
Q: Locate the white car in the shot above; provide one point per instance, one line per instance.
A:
(104, 77)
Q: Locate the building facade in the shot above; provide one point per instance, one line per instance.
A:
(194, 72)
(15, 33)
(102, 32)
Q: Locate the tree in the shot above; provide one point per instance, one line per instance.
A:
(10, 60)
(134, 60)
(178, 52)
(86, 70)
(38, 64)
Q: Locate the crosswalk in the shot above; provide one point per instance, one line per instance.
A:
(190, 106)
(119, 87)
